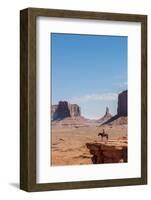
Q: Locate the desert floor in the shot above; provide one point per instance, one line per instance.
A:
(68, 145)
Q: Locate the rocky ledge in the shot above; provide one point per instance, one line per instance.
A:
(111, 151)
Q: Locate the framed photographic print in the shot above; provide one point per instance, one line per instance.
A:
(83, 99)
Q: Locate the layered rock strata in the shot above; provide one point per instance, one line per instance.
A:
(112, 151)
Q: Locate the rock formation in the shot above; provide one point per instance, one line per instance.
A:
(113, 151)
(107, 111)
(53, 111)
(106, 117)
(64, 110)
(121, 117)
(74, 110)
(122, 104)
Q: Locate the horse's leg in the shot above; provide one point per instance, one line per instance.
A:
(107, 137)
(103, 136)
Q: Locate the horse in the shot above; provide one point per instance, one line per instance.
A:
(103, 134)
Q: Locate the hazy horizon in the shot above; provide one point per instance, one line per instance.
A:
(89, 70)
(82, 112)
(90, 117)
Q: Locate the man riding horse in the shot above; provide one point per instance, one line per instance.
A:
(103, 134)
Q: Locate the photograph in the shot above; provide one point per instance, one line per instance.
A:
(83, 99)
(89, 99)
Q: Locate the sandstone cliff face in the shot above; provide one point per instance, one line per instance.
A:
(113, 151)
(122, 104)
(64, 110)
(53, 111)
(74, 110)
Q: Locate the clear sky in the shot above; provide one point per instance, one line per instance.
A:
(88, 70)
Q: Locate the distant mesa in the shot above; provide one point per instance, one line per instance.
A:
(63, 110)
(121, 116)
(70, 114)
(122, 104)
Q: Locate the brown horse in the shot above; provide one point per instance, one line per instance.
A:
(103, 134)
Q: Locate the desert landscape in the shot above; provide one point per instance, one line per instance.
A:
(76, 140)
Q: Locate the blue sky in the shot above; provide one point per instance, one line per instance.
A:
(88, 70)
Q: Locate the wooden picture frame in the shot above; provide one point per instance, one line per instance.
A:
(28, 98)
